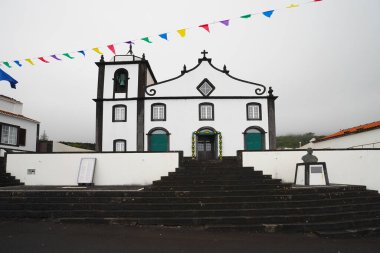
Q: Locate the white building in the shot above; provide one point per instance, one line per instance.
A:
(17, 131)
(204, 111)
(363, 136)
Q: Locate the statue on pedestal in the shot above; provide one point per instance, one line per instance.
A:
(309, 158)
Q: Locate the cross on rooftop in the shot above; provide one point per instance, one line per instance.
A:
(204, 52)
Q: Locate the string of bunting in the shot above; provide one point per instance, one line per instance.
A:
(148, 39)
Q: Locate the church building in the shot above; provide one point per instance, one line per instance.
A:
(204, 111)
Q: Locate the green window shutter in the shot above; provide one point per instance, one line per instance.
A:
(253, 141)
(159, 142)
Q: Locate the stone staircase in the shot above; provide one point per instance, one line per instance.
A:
(217, 195)
(6, 179)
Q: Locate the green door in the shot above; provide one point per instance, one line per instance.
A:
(253, 141)
(159, 142)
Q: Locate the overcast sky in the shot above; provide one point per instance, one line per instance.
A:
(322, 59)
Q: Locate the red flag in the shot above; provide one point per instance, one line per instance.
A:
(112, 48)
(205, 26)
(42, 59)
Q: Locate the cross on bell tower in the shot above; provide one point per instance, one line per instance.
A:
(204, 52)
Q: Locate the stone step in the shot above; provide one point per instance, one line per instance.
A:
(189, 182)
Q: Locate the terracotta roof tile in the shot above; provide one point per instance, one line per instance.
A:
(17, 116)
(352, 130)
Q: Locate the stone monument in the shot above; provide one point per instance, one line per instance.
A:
(309, 157)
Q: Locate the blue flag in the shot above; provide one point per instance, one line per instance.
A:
(5, 77)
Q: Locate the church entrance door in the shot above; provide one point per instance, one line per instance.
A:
(206, 147)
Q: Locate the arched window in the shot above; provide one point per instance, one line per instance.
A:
(119, 145)
(206, 111)
(253, 111)
(158, 112)
(158, 139)
(120, 81)
(119, 113)
(254, 138)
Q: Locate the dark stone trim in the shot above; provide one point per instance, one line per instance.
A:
(305, 150)
(205, 81)
(99, 110)
(158, 128)
(213, 112)
(105, 152)
(18, 134)
(260, 111)
(37, 136)
(142, 74)
(259, 91)
(151, 112)
(272, 123)
(185, 97)
(129, 62)
(261, 130)
(125, 113)
(114, 145)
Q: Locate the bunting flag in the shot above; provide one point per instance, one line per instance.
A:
(246, 16)
(164, 36)
(146, 39)
(182, 32)
(30, 61)
(7, 64)
(293, 6)
(55, 57)
(97, 50)
(225, 22)
(112, 48)
(206, 27)
(42, 59)
(68, 55)
(5, 77)
(268, 13)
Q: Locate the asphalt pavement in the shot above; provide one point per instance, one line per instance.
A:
(51, 237)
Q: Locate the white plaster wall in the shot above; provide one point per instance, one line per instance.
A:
(357, 167)
(132, 82)
(224, 85)
(110, 169)
(31, 132)
(10, 106)
(358, 140)
(119, 130)
(182, 119)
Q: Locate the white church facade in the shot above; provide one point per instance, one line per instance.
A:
(204, 112)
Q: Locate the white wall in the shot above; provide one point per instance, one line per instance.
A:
(357, 167)
(367, 139)
(230, 118)
(111, 168)
(9, 105)
(31, 132)
(119, 130)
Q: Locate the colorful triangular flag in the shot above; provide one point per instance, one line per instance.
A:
(5, 77)
(206, 27)
(82, 52)
(97, 50)
(182, 32)
(68, 55)
(55, 57)
(246, 16)
(268, 13)
(42, 59)
(30, 61)
(225, 22)
(146, 39)
(164, 36)
(18, 63)
(112, 48)
(293, 6)
(7, 64)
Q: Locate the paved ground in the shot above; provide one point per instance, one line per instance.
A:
(30, 237)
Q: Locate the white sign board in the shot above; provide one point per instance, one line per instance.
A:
(86, 170)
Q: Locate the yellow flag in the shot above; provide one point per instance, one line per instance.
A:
(293, 6)
(182, 32)
(30, 61)
(97, 50)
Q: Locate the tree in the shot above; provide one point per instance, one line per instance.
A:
(294, 140)
(44, 137)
